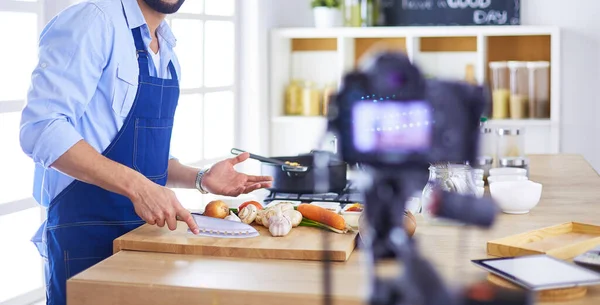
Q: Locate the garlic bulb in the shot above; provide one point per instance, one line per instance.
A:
(280, 224)
(259, 217)
(285, 206)
(248, 214)
(268, 214)
(233, 217)
(294, 216)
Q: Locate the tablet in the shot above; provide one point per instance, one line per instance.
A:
(539, 272)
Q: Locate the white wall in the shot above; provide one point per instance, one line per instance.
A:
(580, 128)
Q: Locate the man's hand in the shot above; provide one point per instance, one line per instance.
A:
(223, 179)
(159, 205)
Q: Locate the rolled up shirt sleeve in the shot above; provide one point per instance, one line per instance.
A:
(73, 50)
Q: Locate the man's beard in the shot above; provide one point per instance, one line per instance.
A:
(164, 8)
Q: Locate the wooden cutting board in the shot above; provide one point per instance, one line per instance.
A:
(302, 243)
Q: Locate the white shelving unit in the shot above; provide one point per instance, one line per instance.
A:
(325, 55)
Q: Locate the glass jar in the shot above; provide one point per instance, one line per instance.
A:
(352, 13)
(456, 178)
(488, 142)
(293, 98)
(500, 89)
(511, 143)
(484, 163)
(328, 91)
(519, 90)
(539, 89)
(516, 162)
(311, 100)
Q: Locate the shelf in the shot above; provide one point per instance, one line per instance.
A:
(524, 122)
(298, 118)
(424, 31)
(494, 123)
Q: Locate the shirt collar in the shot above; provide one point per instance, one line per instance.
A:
(135, 19)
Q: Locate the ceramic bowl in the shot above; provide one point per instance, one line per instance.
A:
(505, 178)
(516, 197)
(508, 171)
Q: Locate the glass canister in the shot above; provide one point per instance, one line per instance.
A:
(293, 98)
(456, 178)
(311, 100)
(352, 13)
(519, 89)
(517, 162)
(539, 89)
(328, 91)
(511, 143)
(487, 142)
(500, 89)
(485, 163)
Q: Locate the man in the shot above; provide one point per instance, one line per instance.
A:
(98, 124)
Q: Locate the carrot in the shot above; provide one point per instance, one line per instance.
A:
(322, 215)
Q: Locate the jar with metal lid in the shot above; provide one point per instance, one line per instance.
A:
(487, 142)
(511, 143)
(485, 163)
(516, 162)
(519, 89)
(456, 178)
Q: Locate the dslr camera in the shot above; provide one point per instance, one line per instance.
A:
(395, 123)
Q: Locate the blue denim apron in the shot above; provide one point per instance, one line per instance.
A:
(83, 220)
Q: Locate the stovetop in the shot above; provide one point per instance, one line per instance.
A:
(349, 195)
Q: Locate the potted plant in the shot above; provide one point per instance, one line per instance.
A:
(327, 13)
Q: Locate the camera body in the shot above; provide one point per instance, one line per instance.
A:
(388, 114)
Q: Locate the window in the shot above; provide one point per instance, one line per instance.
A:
(205, 121)
(20, 23)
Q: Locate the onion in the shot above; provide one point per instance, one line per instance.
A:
(216, 209)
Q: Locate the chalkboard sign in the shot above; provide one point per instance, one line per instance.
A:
(449, 12)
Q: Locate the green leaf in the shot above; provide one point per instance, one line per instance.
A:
(325, 3)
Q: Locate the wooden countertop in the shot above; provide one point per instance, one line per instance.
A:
(571, 193)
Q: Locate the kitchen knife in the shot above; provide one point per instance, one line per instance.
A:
(222, 228)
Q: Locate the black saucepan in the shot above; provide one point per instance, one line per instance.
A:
(300, 179)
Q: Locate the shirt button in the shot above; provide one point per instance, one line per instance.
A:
(43, 65)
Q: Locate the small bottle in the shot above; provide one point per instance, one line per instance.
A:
(293, 98)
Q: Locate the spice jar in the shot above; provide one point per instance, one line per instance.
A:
(519, 89)
(539, 89)
(293, 98)
(457, 178)
(500, 89)
(310, 99)
(511, 143)
(516, 162)
(484, 163)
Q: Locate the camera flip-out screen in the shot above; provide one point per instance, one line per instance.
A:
(392, 126)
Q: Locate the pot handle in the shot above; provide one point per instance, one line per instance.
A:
(294, 169)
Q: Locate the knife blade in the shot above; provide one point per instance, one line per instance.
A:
(222, 228)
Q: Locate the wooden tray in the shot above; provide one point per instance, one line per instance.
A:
(563, 241)
(302, 243)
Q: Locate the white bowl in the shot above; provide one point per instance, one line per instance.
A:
(508, 171)
(505, 178)
(516, 197)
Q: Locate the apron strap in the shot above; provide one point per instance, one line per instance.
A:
(142, 52)
(172, 70)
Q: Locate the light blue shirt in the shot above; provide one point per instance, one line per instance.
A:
(84, 83)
